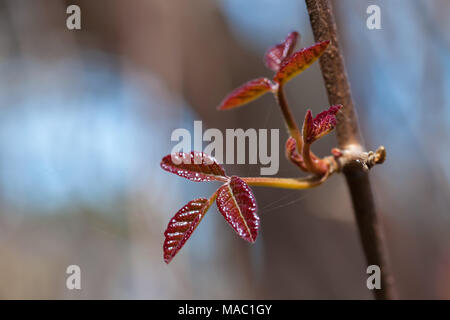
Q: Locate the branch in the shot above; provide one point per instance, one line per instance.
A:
(348, 135)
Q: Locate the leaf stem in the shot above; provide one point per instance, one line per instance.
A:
(314, 165)
(213, 197)
(287, 183)
(291, 124)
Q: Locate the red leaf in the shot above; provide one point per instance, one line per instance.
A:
(299, 61)
(246, 93)
(292, 153)
(182, 225)
(195, 166)
(237, 204)
(276, 55)
(322, 124)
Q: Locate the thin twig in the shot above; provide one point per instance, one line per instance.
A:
(289, 119)
(348, 135)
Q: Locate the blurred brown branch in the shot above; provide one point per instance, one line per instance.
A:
(338, 89)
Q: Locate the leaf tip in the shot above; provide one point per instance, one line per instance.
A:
(278, 53)
(182, 225)
(320, 125)
(299, 61)
(246, 93)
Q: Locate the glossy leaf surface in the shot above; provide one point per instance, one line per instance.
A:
(237, 204)
(195, 166)
(299, 61)
(246, 93)
(182, 225)
(323, 123)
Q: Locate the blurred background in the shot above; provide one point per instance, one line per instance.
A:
(86, 115)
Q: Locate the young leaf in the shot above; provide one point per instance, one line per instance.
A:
(293, 155)
(276, 55)
(237, 204)
(299, 61)
(195, 166)
(182, 225)
(322, 124)
(246, 93)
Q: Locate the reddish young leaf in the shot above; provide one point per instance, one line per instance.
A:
(299, 61)
(246, 93)
(322, 124)
(292, 153)
(336, 152)
(182, 225)
(237, 204)
(276, 55)
(195, 166)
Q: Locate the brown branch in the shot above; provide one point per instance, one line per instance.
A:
(348, 135)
